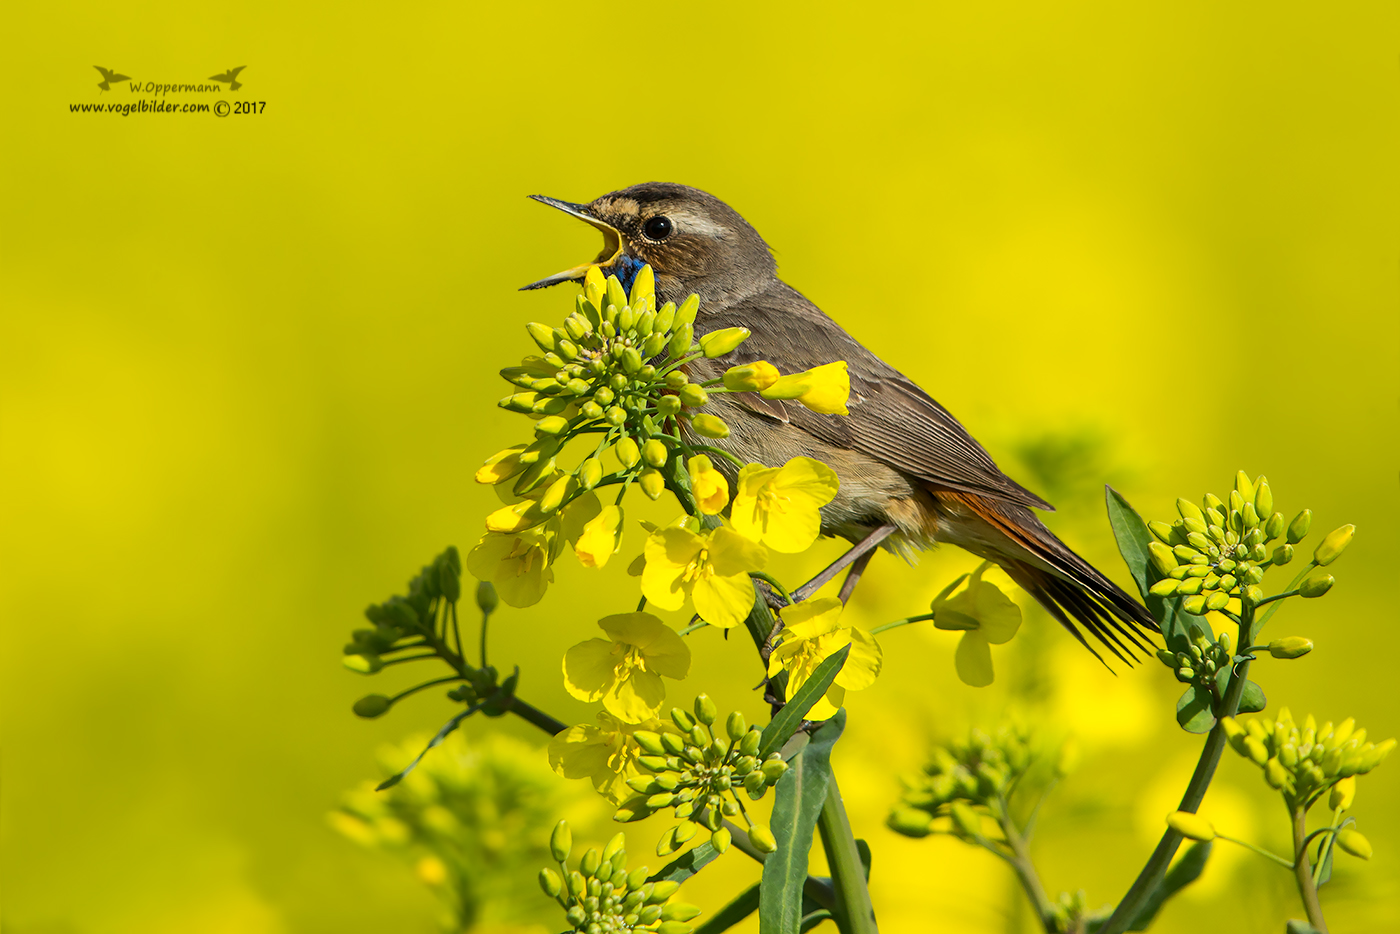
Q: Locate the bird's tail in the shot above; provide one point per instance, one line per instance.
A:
(1071, 589)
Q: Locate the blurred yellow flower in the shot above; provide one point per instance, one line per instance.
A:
(709, 486)
(599, 539)
(986, 617)
(712, 568)
(781, 506)
(517, 563)
(606, 754)
(812, 632)
(624, 671)
(824, 389)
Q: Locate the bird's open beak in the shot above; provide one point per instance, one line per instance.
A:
(613, 243)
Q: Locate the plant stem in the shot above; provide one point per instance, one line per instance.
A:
(1156, 868)
(853, 910)
(1020, 860)
(532, 714)
(1303, 872)
(923, 617)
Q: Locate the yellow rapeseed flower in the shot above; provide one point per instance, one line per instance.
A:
(712, 568)
(606, 754)
(812, 632)
(709, 486)
(781, 506)
(517, 563)
(825, 389)
(624, 670)
(986, 617)
(600, 538)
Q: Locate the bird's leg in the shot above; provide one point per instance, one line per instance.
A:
(860, 550)
(848, 586)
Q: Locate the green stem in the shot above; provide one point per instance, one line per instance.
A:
(1303, 872)
(901, 622)
(418, 687)
(1020, 860)
(853, 906)
(772, 581)
(707, 449)
(1156, 867)
(1258, 849)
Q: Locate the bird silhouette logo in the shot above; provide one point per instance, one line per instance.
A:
(231, 76)
(107, 76)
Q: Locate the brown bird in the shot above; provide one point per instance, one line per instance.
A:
(911, 475)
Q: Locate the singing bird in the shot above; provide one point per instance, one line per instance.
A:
(908, 469)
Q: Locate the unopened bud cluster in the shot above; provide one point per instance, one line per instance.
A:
(1203, 661)
(696, 772)
(1304, 761)
(614, 369)
(602, 896)
(978, 771)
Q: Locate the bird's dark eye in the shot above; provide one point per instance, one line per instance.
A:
(658, 228)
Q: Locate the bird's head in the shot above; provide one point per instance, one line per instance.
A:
(693, 242)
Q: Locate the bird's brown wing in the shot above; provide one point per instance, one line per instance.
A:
(891, 419)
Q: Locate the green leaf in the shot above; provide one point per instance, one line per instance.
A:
(811, 920)
(1186, 870)
(686, 865)
(1133, 538)
(1253, 699)
(797, 804)
(863, 849)
(442, 734)
(787, 720)
(731, 914)
(1193, 711)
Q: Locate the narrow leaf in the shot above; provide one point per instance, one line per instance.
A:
(1133, 538)
(787, 720)
(797, 804)
(686, 865)
(442, 734)
(810, 921)
(1193, 711)
(863, 849)
(731, 914)
(1186, 870)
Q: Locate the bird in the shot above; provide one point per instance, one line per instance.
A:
(911, 476)
(108, 75)
(231, 76)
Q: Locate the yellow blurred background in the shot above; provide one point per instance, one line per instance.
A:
(250, 367)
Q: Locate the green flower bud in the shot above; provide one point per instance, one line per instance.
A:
(681, 340)
(1316, 586)
(655, 763)
(680, 911)
(751, 377)
(1195, 605)
(1253, 595)
(736, 726)
(1256, 750)
(631, 359)
(566, 348)
(686, 313)
(1191, 826)
(628, 453)
(650, 742)
(1333, 545)
(590, 862)
(1298, 528)
(520, 402)
(652, 483)
(553, 425)
(718, 343)
(1342, 794)
(654, 452)
(561, 842)
(705, 710)
(665, 317)
(684, 832)
(710, 426)
(615, 416)
(749, 744)
(550, 882)
(1161, 531)
(1195, 525)
(755, 783)
(965, 819)
(911, 822)
(762, 839)
(693, 395)
(1198, 541)
(720, 839)
(1275, 774)
(676, 379)
(682, 720)
(576, 915)
(591, 410)
(1164, 587)
(673, 743)
(773, 769)
(1185, 553)
(1217, 600)
(1243, 487)
(1162, 557)
(1167, 658)
(1249, 517)
(541, 334)
(371, 706)
(1188, 509)
(1290, 647)
(1354, 843)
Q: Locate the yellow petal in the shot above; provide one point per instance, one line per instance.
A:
(581, 751)
(723, 601)
(973, 660)
(826, 706)
(863, 664)
(668, 553)
(578, 514)
(600, 540)
(828, 389)
(636, 697)
(590, 669)
(812, 618)
(501, 466)
(731, 553)
(709, 486)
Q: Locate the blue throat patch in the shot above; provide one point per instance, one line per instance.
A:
(626, 269)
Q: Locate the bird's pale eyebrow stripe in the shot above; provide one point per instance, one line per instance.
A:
(696, 224)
